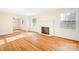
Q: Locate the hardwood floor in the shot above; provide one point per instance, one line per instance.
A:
(19, 45)
(32, 41)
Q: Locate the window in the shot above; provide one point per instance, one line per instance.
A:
(68, 20)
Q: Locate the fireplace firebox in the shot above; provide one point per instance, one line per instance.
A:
(45, 30)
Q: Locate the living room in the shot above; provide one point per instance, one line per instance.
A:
(60, 22)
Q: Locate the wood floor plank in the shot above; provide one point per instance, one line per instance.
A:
(32, 41)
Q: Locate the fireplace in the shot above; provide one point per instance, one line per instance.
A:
(45, 30)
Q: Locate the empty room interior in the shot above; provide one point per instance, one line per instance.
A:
(39, 29)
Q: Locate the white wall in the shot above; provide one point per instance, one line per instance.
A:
(26, 23)
(5, 23)
(21, 22)
(16, 24)
(42, 23)
(43, 19)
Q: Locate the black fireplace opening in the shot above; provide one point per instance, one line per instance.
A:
(45, 30)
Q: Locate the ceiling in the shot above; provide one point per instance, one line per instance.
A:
(26, 11)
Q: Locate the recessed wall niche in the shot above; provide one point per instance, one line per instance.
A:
(68, 20)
